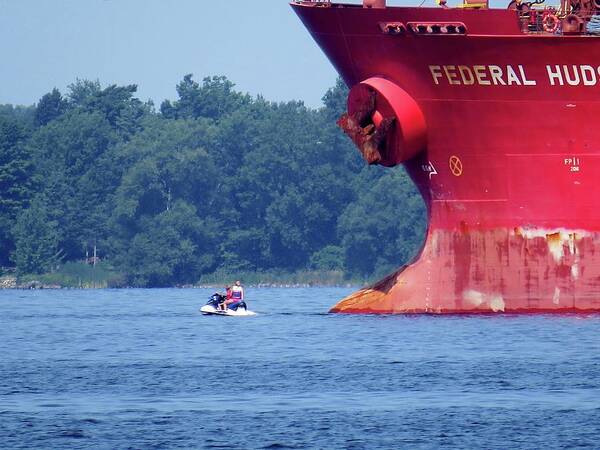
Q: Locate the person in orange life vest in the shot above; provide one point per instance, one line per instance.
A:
(237, 296)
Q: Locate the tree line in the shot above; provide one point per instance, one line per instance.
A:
(216, 180)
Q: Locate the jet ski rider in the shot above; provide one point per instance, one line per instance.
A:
(218, 301)
(225, 298)
(237, 296)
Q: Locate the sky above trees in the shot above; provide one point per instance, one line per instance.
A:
(260, 45)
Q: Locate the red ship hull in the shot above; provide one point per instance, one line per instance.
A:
(510, 162)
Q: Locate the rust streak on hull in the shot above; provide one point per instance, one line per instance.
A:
(513, 271)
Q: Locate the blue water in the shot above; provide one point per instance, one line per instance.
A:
(143, 369)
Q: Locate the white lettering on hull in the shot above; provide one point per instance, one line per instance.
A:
(509, 75)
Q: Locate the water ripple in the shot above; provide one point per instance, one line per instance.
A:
(142, 369)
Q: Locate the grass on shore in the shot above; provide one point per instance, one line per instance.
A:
(77, 275)
(103, 275)
(276, 278)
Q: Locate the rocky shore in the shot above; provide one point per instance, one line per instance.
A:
(10, 282)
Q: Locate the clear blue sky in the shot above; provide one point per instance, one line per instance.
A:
(260, 45)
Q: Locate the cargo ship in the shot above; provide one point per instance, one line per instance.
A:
(492, 113)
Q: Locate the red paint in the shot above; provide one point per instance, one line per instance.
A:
(514, 208)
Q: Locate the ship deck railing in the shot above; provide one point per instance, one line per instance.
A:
(535, 16)
(550, 20)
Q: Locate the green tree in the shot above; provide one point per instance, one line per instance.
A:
(72, 156)
(117, 104)
(376, 235)
(15, 181)
(216, 180)
(297, 183)
(50, 106)
(213, 100)
(165, 165)
(175, 247)
(37, 238)
(330, 257)
(21, 114)
(335, 101)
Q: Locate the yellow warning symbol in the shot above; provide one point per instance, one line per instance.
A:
(456, 166)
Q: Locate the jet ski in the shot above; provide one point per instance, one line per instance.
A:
(212, 307)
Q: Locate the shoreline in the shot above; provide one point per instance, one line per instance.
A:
(110, 279)
(10, 283)
(250, 286)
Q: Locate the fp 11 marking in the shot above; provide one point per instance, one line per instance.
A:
(573, 162)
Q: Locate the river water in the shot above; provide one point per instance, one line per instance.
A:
(143, 369)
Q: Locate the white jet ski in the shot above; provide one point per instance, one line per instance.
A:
(212, 308)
